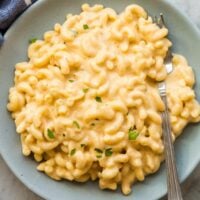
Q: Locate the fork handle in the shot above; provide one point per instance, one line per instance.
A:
(173, 185)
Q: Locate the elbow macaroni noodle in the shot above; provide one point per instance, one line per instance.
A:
(86, 84)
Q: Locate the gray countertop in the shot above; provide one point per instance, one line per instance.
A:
(12, 189)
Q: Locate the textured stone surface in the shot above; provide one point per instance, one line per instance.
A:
(13, 189)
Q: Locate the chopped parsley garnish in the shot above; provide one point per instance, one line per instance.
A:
(73, 151)
(50, 134)
(83, 145)
(99, 156)
(98, 99)
(108, 152)
(132, 134)
(33, 40)
(75, 123)
(98, 150)
(85, 90)
(71, 81)
(85, 26)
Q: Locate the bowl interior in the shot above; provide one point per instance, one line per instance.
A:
(33, 23)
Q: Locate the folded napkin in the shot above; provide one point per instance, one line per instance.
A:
(9, 11)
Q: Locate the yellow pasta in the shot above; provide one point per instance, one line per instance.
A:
(86, 103)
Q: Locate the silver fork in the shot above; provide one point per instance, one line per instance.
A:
(173, 185)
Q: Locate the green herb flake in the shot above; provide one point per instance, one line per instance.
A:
(99, 156)
(85, 90)
(71, 81)
(92, 124)
(98, 99)
(73, 151)
(83, 145)
(98, 150)
(108, 152)
(75, 123)
(50, 134)
(33, 40)
(85, 27)
(132, 134)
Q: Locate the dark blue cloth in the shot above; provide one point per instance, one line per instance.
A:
(9, 11)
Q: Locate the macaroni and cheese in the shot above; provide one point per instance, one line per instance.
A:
(86, 103)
